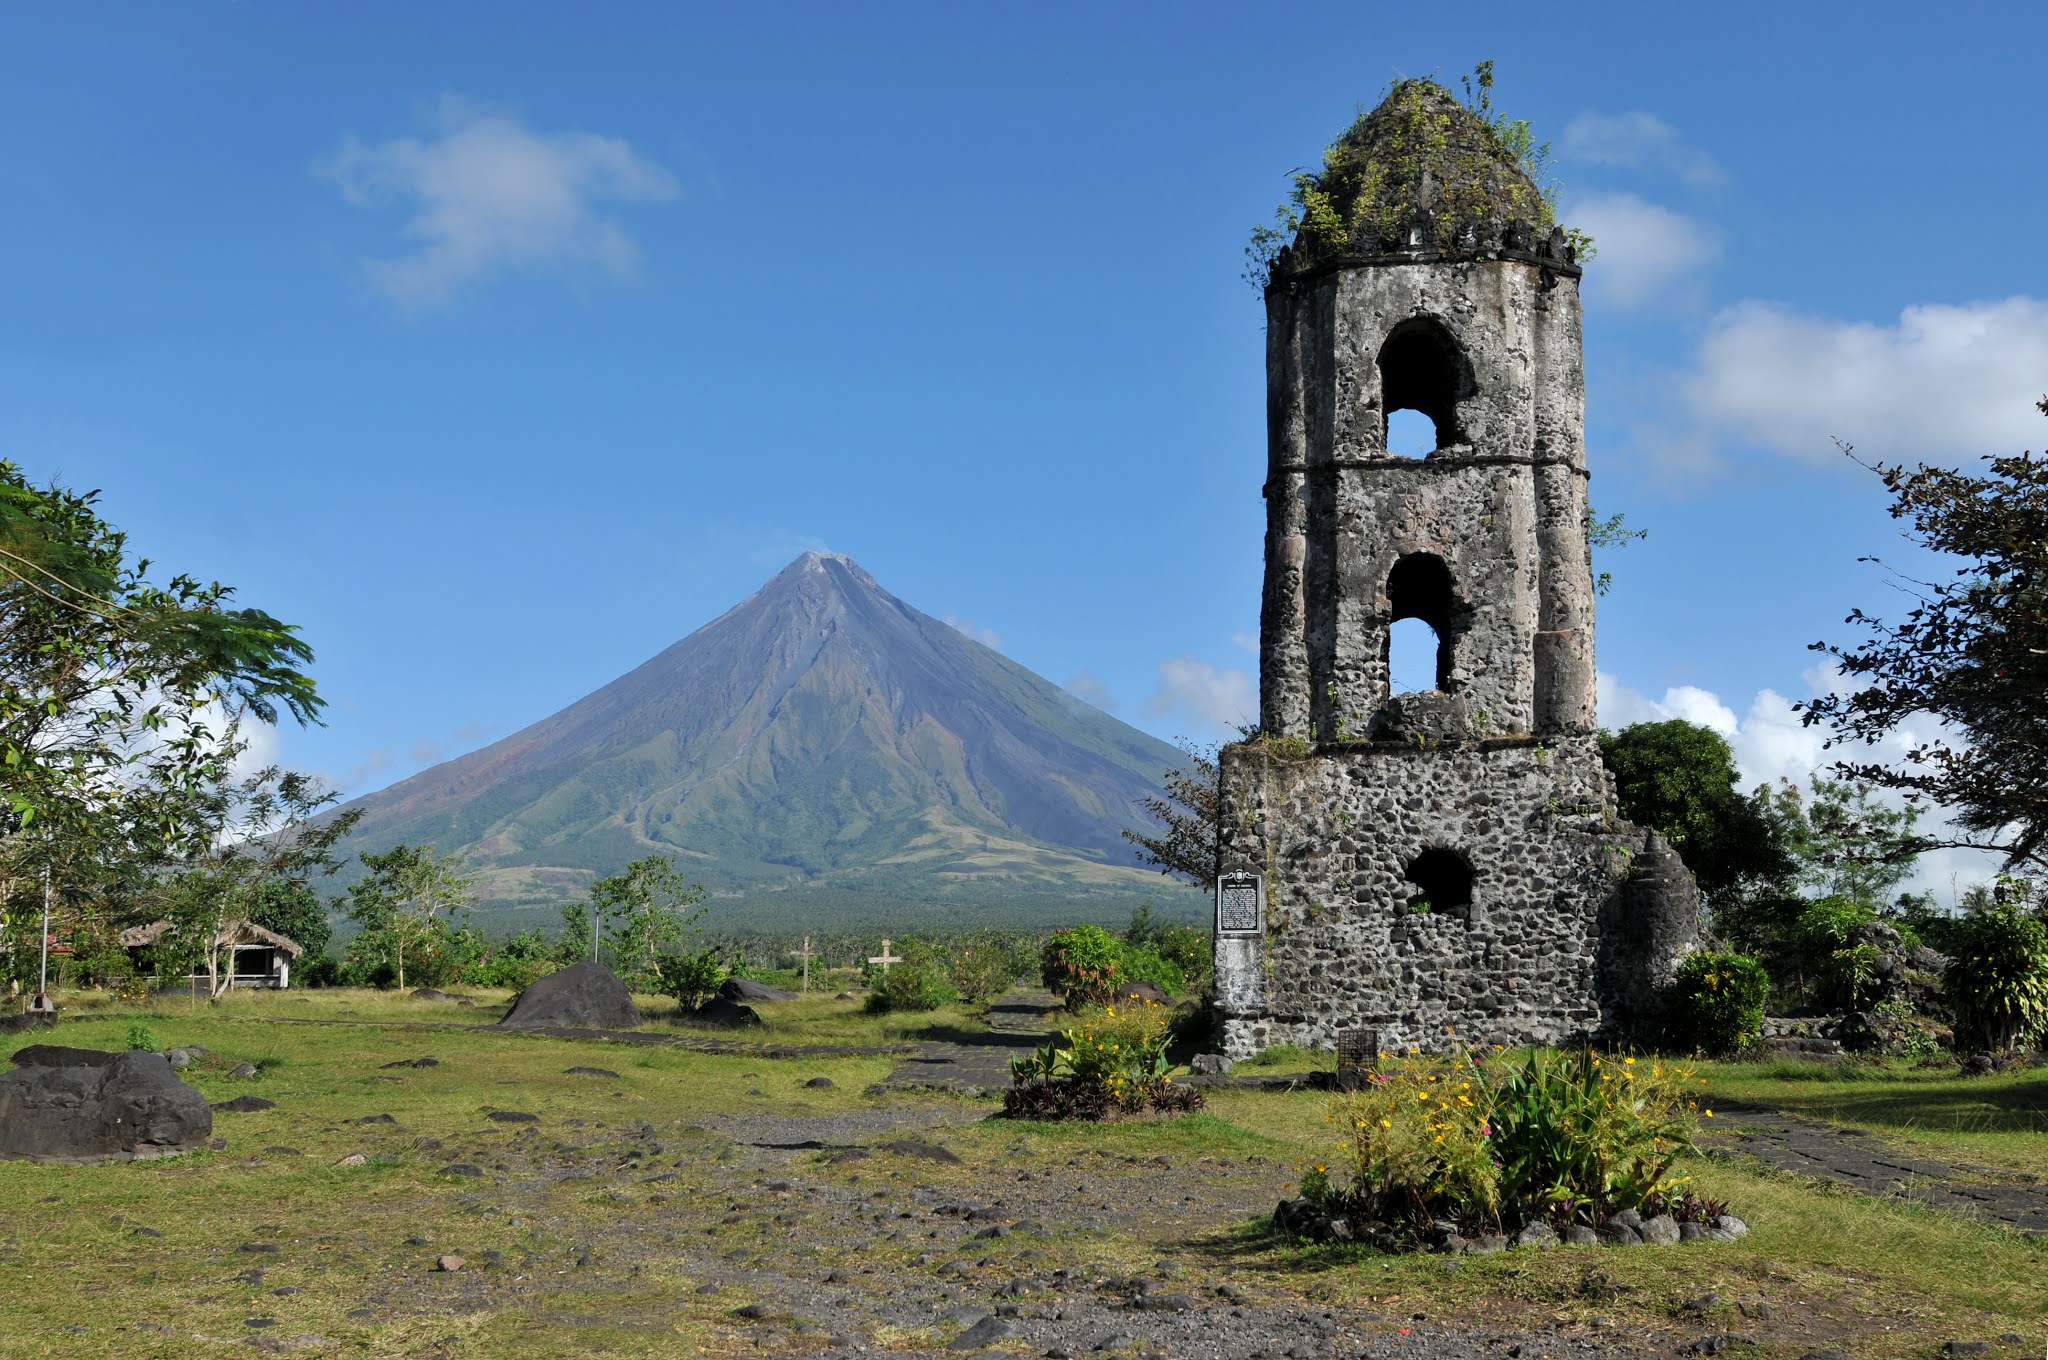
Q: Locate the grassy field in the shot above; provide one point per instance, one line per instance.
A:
(592, 1230)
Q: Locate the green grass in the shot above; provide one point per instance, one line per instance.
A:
(1872, 1278)
(1992, 1121)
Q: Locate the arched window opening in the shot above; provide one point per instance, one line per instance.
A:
(1419, 587)
(1443, 884)
(1422, 372)
(1411, 434)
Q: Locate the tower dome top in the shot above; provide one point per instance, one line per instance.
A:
(1423, 175)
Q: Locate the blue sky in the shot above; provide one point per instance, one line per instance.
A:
(499, 346)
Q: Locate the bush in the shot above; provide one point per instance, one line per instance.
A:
(1143, 963)
(1845, 972)
(142, 1040)
(1112, 1062)
(1997, 980)
(1717, 1002)
(1081, 965)
(690, 978)
(922, 982)
(981, 967)
(1499, 1144)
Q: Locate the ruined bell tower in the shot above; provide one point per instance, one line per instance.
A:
(1440, 866)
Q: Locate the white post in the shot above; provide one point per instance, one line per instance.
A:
(43, 979)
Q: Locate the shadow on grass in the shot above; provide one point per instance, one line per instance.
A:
(1944, 1102)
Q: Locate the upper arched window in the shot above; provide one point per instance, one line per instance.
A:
(1422, 370)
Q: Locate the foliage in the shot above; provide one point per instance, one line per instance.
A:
(1824, 932)
(1511, 1139)
(1113, 1061)
(1997, 980)
(1717, 1002)
(515, 962)
(1973, 652)
(922, 982)
(1182, 949)
(141, 1039)
(1190, 845)
(1609, 534)
(1081, 965)
(983, 966)
(1483, 172)
(256, 845)
(692, 978)
(403, 905)
(294, 911)
(641, 912)
(119, 700)
(1679, 778)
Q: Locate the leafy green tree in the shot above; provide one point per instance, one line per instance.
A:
(296, 912)
(1679, 778)
(404, 905)
(642, 912)
(119, 698)
(1997, 980)
(1189, 844)
(1972, 652)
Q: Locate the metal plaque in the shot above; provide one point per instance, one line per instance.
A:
(1241, 904)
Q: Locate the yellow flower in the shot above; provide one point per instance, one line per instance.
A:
(1710, 1114)
(1386, 1123)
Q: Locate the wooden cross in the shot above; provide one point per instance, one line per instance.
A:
(806, 955)
(885, 958)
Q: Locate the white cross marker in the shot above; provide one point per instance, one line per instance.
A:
(806, 955)
(885, 958)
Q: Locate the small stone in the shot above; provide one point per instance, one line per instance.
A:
(1538, 1235)
(259, 1322)
(752, 1312)
(1966, 1348)
(461, 1169)
(1486, 1244)
(512, 1117)
(820, 1083)
(425, 1144)
(1702, 1303)
(1579, 1235)
(1691, 1232)
(242, 1070)
(1166, 1303)
(244, 1105)
(376, 1119)
(1210, 1064)
(1730, 1224)
(451, 1264)
(606, 1073)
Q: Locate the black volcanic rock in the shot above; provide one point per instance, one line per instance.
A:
(69, 1104)
(581, 996)
(823, 733)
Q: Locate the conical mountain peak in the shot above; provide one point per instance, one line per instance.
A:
(820, 734)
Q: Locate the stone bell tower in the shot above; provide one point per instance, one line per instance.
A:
(1441, 866)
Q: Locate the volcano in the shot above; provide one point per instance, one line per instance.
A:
(820, 752)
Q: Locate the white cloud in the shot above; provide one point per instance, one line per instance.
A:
(1090, 689)
(1220, 699)
(1945, 384)
(987, 637)
(1246, 642)
(488, 195)
(1647, 254)
(1771, 744)
(1636, 141)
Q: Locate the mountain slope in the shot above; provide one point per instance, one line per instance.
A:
(820, 734)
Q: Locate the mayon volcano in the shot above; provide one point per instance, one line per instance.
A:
(821, 754)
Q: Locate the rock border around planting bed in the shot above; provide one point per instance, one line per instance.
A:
(1624, 1228)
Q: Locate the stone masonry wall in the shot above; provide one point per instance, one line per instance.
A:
(1334, 833)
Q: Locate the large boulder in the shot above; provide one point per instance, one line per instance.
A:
(581, 996)
(84, 1105)
(746, 989)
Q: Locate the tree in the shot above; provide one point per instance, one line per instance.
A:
(403, 903)
(1191, 843)
(1679, 779)
(1612, 534)
(1846, 843)
(260, 839)
(296, 912)
(1972, 653)
(120, 705)
(641, 911)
